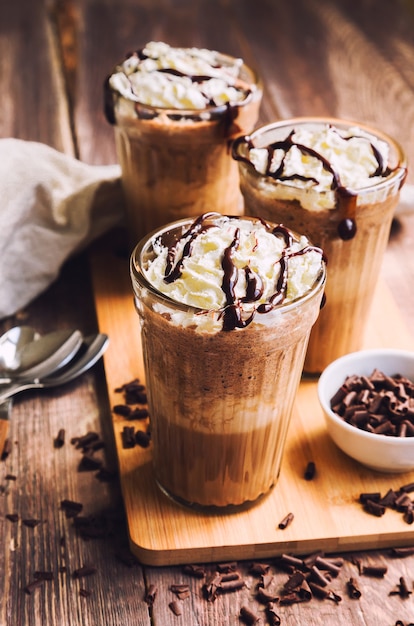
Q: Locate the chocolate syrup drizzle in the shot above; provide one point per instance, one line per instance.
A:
(231, 110)
(347, 227)
(232, 312)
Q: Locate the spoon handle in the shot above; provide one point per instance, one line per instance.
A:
(12, 389)
(5, 411)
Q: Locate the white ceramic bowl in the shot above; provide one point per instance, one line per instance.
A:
(379, 452)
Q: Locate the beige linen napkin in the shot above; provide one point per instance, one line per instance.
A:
(51, 205)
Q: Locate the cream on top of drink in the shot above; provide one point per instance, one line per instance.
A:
(160, 75)
(240, 267)
(322, 159)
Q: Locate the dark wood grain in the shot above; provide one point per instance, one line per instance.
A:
(348, 59)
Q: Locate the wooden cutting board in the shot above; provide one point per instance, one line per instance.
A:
(327, 514)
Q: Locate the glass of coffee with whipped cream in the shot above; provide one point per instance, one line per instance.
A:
(175, 112)
(338, 182)
(226, 305)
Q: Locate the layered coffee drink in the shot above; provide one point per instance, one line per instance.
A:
(175, 112)
(339, 184)
(226, 305)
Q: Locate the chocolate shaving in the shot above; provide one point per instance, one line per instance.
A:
(265, 581)
(378, 404)
(259, 568)
(402, 589)
(294, 581)
(318, 591)
(326, 564)
(210, 587)
(138, 414)
(71, 508)
(409, 515)
(89, 463)
(290, 598)
(231, 566)
(175, 607)
(289, 562)
(226, 586)
(122, 409)
(31, 523)
(85, 440)
(142, 438)
(128, 437)
(305, 592)
(33, 585)
(264, 596)
(353, 591)
(318, 577)
(372, 497)
(374, 508)
(247, 616)
(376, 571)
(182, 591)
(272, 617)
(59, 440)
(310, 471)
(150, 595)
(194, 570)
(134, 392)
(81, 572)
(284, 523)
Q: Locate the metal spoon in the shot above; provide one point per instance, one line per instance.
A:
(11, 344)
(40, 357)
(90, 352)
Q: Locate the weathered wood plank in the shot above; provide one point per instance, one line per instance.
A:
(34, 105)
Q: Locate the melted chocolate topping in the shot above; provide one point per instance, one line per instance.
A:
(346, 198)
(231, 110)
(232, 313)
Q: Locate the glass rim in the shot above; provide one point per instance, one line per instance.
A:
(140, 278)
(398, 173)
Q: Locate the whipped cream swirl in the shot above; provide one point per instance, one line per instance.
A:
(317, 163)
(162, 76)
(240, 267)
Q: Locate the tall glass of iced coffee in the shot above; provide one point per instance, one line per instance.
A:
(175, 112)
(337, 182)
(226, 305)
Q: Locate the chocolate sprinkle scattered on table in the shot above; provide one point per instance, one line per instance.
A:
(71, 507)
(175, 607)
(84, 571)
(310, 471)
(247, 616)
(284, 523)
(59, 440)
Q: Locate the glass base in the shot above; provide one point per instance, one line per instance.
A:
(214, 509)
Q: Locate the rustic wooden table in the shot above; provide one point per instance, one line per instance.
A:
(342, 58)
